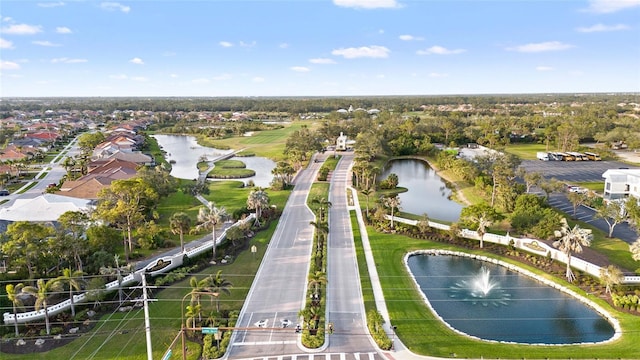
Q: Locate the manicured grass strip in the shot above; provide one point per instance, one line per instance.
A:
(123, 337)
(424, 334)
(230, 164)
(319, 190)
(230, 173)
(365, 281)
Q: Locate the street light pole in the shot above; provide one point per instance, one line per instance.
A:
(393, 337)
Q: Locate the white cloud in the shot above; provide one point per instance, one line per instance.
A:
(322, 61)
(409, 38)
(374, 51)
(367, 4)
(139, 78)
(51, 4)
(610, 6)
(9, 65)
(63, 30)
(283, 46)
(225, 44)
(5, 44)
(439, 50)
(222, 77)
(438, 75)
(602, 27)
(541, 47)
(300, 69)
(118, 77)
(201, 81)
(45, 43)
(136, 61)
(65, 60)
(544, 68)
(258, 79)
(114, 6)
(244, 44)
(173, 76)
(22, 29)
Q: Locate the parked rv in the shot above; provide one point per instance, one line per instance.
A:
(543, 155)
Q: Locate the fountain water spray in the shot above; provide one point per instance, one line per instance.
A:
(481, 289)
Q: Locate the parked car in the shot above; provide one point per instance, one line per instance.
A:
(577, 189)
(285, 323)
(4, 192)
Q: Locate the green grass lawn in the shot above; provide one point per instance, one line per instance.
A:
(230, 164)
(268, 143)
(525, 151)
(121, 335)
(424, 334)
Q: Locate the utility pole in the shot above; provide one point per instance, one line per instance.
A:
(147, 324)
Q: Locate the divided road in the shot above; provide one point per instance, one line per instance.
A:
(279, 288)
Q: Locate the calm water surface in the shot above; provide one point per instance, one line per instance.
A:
(517, 308)
(186, 152)
(428, 193)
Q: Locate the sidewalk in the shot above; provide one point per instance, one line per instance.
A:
(399, 351)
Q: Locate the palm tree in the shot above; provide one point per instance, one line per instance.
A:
(71, 277)
(209, 216)
(571, 240)
(315, 280)
(258, 200)
(322, 230)
(41, 292)
(198, 287)
(194, 311)
(179, 223)
(609, 276)
(480, 215)
(635, 250)
(220, 285)
(392, 202)
(367, 192)
(13, 294)
(322, 204)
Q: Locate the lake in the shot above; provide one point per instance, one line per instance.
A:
(427, 192)
(184, 152)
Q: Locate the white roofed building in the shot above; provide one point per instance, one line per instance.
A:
(621, 184)
(44, 208)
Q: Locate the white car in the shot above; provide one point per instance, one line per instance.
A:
(261, 323)
(577, 189)
(285, 323)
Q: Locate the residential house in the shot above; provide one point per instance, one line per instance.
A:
(88, 186)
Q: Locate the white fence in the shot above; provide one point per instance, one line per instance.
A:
(164, 265)
(534, 246)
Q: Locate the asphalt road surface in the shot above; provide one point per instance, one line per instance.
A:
(573, 171)
(278, 290)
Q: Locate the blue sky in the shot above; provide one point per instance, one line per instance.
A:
(317, 47)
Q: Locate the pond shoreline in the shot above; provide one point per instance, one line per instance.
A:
(458, 194)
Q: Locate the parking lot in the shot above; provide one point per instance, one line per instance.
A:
(574, 171)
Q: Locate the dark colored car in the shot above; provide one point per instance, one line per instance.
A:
(4, 193)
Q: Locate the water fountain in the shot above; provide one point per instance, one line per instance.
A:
(492, 302)
(480, 289)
